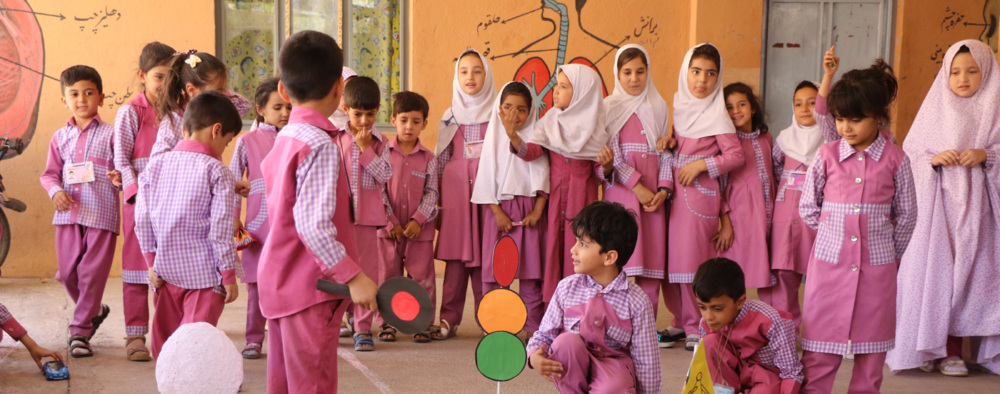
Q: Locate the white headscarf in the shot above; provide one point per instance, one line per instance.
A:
(580, 130)
(339, 117)
(466, 109)
(801, 142)
(648, 105)
(502, 175)
(695, 117)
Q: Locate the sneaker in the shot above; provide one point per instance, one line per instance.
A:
(691, 342)
(953, 366)
(670, 336)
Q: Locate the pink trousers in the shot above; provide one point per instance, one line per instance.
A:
(416, 256)
(255, 318)
(456, 281)
(84, 255)
(820, 369)
(302, 350)
(671, 296)
(583, 372)
(177, 306)
(368, 259)
(784, 295)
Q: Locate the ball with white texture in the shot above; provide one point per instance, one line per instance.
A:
(199, 358)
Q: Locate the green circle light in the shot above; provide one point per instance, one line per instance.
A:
(500, 356)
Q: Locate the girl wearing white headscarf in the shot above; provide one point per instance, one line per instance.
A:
(459, 146)
(947, 278)
(707, 148)
(573, 132)
(516, 191)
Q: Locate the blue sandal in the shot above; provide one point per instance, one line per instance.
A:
(363, 342)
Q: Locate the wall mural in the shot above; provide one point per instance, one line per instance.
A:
(954, 19)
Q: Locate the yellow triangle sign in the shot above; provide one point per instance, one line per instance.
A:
(699, 379)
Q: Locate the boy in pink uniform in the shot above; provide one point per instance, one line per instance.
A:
(408, 241)
(617, 353)
(86, 219)
(749, 345)
(251, 148)
(859, 195)
(311, 235)
(135, 132)
(363, 151)
(184, 220)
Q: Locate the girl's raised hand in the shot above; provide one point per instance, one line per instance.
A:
(607, 159)
(830, 61)
(972, 157)
(946, 158)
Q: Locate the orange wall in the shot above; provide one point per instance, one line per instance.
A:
(114, 52)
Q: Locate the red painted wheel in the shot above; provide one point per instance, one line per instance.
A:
(23, 53)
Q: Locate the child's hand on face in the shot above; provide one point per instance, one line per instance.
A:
(115, 177)
(509, 120)
(972, 157)
(243, 188)
(947, 158)
(550, 369)
(363, 137)
(607, 159)
(830, 61)
(412, 229)
(62, 201)
(232, 292)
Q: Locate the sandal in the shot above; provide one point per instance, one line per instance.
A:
(347, 326)
(422, 337)
(388, 334)
(251, 351)
(97, 320)
(79, 342)
(929, 366)
(953, 366)
(136, 351)
(363, 342)
(444, 330)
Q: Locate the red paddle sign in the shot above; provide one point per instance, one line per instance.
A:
(403, 303)
(505, 261)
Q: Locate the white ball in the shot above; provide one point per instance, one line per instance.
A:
(199, 358)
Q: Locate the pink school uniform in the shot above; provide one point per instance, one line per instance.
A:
(616, 353)
(170, 133)
(756, 352)
(311, 237)
(573, 137)
(636, 123)
(459, 143)
(367, 172)
(750, 198)
(412, 193)
(514, 185)
(704, 132)
(184, 222)
(135, 133)
(251, 148)
(86, 234)
(863, 205)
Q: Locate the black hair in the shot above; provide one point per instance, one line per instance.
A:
(757, 119)
(155, 54)
(210, 108)
(263, 93)
(362, 93)
(173, 94)
(79, 73)
(718, 277)
(310, 63)
(629, 54)
(611, 226)
(407, 101)
(517, 89)
(707, 51)
(864, 93)
(805, 84)
(964, 49)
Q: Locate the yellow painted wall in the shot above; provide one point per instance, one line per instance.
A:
(114, 51)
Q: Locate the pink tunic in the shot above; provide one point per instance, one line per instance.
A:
(251, 148)
(530, 241)
(573, 187)
(461, 220)
(635, 162)
(135, 133)
(791, 238)
(750, 197)
(864, 206)
(694, 213)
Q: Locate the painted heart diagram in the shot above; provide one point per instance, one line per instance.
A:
(21, 52)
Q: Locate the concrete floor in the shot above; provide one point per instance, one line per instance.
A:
(402, 367)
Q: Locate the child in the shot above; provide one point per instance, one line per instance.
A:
(516, 191)
(368, 170)
(639, 177)
(311, 235)
(949, 271)
(707, 148)
(9, 325)
(573, 132)
(618, 352)
(749, 190)
(184, 214)
(251, 148)
(86, 217)
(189, 74)
(459, 145)
(408, 240)
(791, 238)
(135, 132)
(850, 298)
(749, 345)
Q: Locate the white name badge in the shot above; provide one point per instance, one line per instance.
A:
(75, 173)
(473, 149)
(796, 179)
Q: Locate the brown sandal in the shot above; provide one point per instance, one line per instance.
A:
(136, 350)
